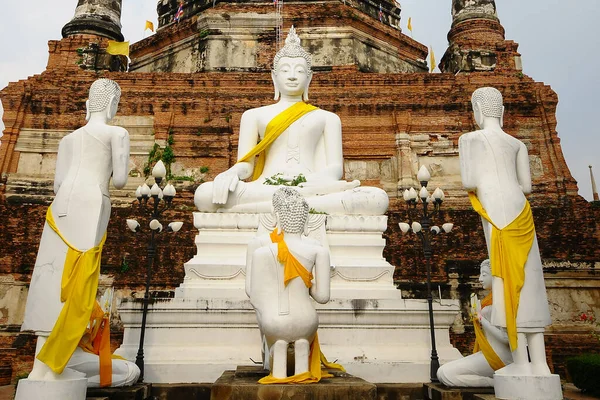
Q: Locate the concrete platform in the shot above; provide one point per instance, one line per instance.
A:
(242, 384)
(140, 391)
(437, 391)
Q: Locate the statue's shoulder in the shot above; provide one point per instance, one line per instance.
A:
(328, 114)
(471, 136)
(311, 241)
(118, 130)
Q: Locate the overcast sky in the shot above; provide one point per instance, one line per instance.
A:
(559, 41)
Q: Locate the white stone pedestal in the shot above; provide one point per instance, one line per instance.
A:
(71, 388)
(509, 387)
(210, 325)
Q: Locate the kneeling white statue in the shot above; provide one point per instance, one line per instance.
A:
(61, 306)
(289, 142)
(280, 283)
(491, 351)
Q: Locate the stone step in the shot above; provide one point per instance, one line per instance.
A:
(437, 391)
(139, 391)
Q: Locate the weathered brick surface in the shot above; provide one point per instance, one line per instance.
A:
(203, 111)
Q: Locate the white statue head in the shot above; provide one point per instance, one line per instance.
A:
(487, 102)
(103, 98)
(2, 127)
(292, 68)
(485, 274)
(291, 210)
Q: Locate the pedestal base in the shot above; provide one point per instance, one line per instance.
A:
(242, 384)
(509, 387)
(210, 326)
(65, 389)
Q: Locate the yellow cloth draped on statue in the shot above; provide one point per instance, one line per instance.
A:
(79, 284)
(293, 269)
(96, 340)
(274, 129)
(481, 342)
(509, 250)
(291, 266)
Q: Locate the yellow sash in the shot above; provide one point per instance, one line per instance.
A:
(291, 266)
(509, 249)
(274, 129)
(79, 284)
(314, 373)
(481, 342)
(293, 269)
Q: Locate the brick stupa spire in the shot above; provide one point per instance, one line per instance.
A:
(96, 17)
(476, 40)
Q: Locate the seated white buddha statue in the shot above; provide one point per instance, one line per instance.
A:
(291, 141)
(280, 284)
(495, 171)
(61, 304)
(491, 350)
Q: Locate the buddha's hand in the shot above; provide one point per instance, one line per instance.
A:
(224, 183)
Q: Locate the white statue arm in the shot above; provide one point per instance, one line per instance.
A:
(332, 137)
(320, 290)
(119, 142)
(227, 181)
(63, 161)
(466, 172)
(252, 247)
(523, 171)
(492, 330)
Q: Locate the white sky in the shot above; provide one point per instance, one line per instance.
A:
(559, 42)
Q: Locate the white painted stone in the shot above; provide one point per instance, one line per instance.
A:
(496, 166)
(73, 386)
(210, 326)
(509, 387)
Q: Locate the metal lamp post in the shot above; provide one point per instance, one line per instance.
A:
(162, 199)
(424, 229)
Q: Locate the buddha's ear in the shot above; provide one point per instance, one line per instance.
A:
(111, 108)
(276, 97)
(87, 110)
(502, 118)
(305, 94)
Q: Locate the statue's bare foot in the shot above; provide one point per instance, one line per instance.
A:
(515, 369)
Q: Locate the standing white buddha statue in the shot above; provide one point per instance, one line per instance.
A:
(71, 246)
(491, 347)
(297, 140)
(495, 171)
(280, 284)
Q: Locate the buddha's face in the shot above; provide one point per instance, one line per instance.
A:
(291, 76)
(485, 277)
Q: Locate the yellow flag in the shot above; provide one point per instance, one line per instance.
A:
(149, 25)
(118, 48)
(410, 24)
(431, 59)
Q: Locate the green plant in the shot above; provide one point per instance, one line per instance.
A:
(207, 119)
(203, 33)
(181, 178)
(170, 139)
(203, 170)
(124, 265)
(313, 211)
(227, 118)
(585, 370)
(278, 179)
